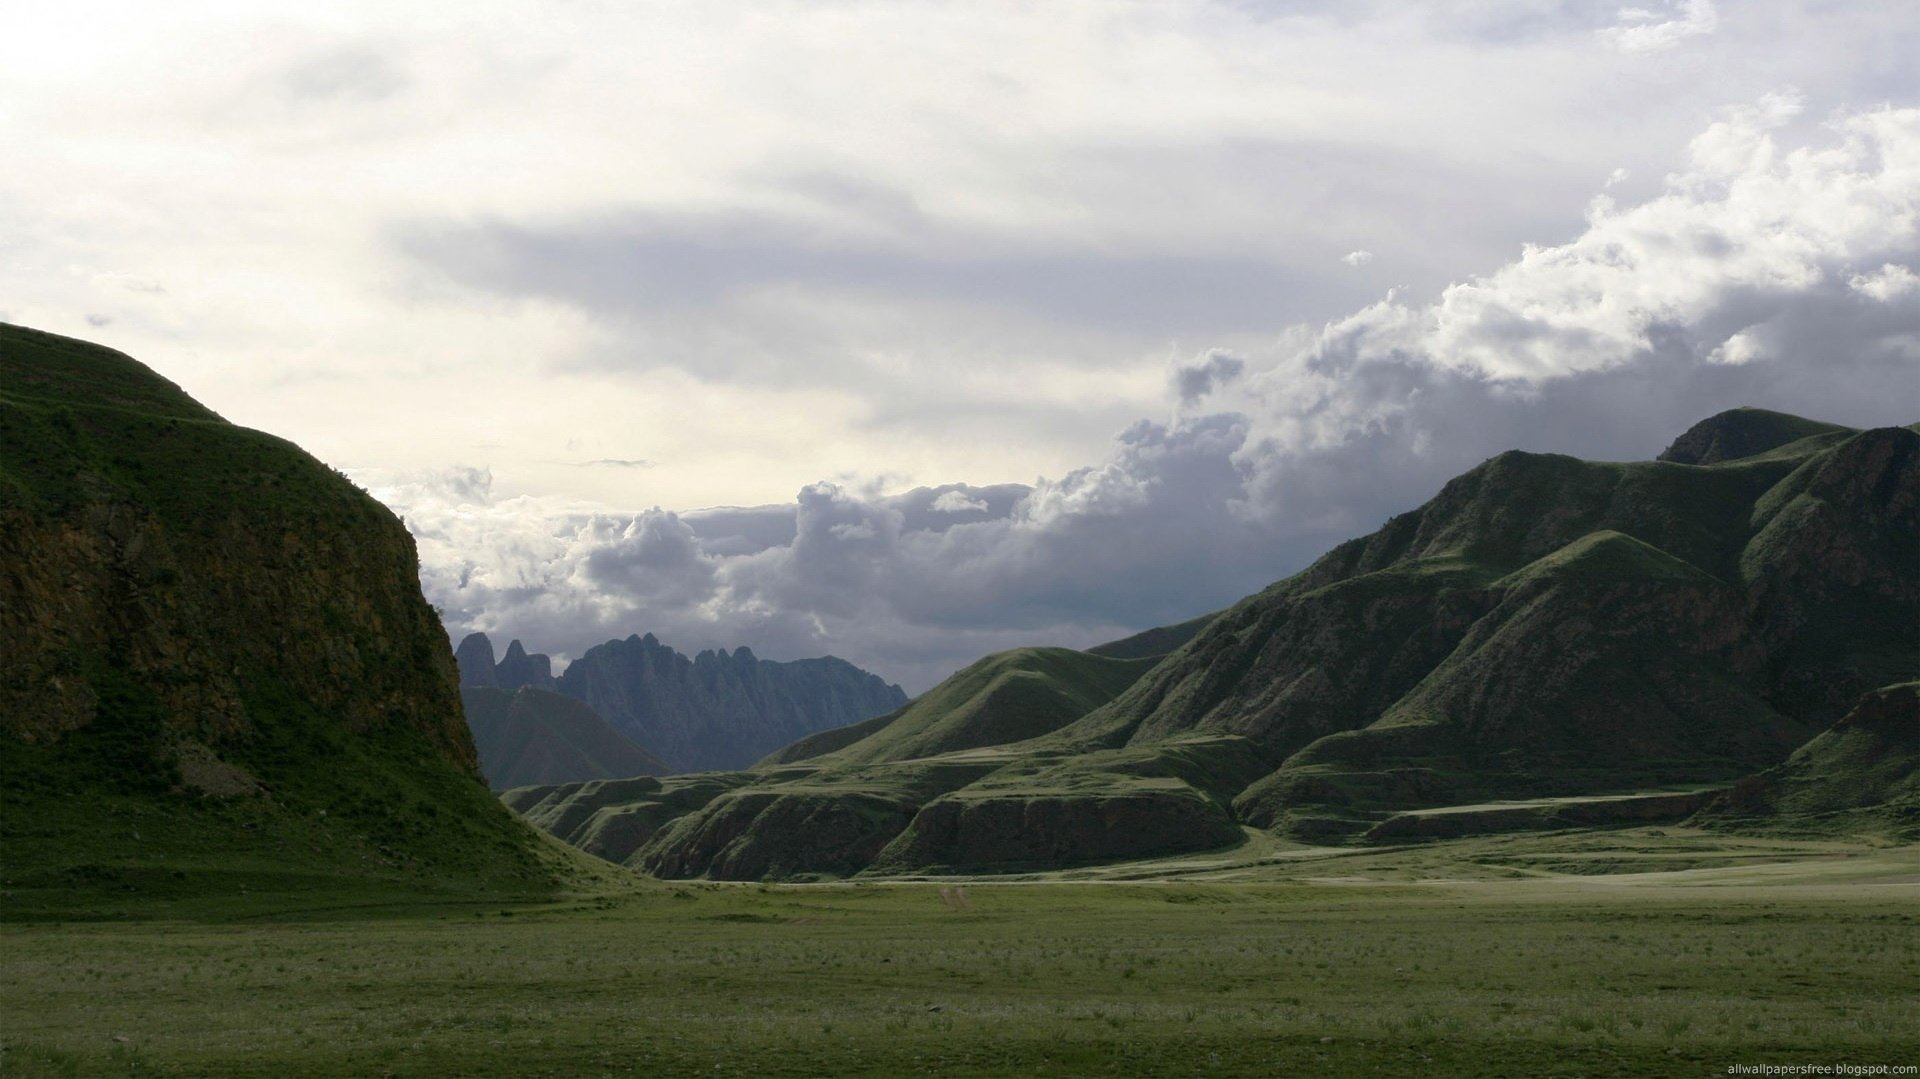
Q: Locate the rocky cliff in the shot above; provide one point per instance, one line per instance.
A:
(194, 611)
(715, 710)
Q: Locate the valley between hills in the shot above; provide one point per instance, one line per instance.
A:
(1579, 768)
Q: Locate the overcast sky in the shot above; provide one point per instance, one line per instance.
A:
(994, 323)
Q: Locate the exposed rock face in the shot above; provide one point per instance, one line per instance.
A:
(191, 604)
(720, 710)
(479, 671)
(475, 661)
(518, 669)
(1009, 832)
(532, 736)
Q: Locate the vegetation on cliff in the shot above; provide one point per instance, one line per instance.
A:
(221, 673)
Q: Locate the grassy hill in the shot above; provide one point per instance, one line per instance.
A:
(1006, 697)
(1860, 777)
(221, 678)
(1548, 640)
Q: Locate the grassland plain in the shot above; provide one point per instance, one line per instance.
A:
(1637, 952)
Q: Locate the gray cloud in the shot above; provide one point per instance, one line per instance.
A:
(1191, 383)
(1759, 276)
(636, 263)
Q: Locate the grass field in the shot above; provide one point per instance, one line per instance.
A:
(1646, 952)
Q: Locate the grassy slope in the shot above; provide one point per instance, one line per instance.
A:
(96, 824)
(1859, 777)
(1543, 973)
(1544, 627)
(1364, 633)
(1006, 697)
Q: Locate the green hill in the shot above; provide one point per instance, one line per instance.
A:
(1859, 777)
(1588, 641)
(221, 678)
(532, 736)
(1006, 697)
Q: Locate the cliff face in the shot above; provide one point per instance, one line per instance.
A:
(714, 711)
(721, 710)
(201, 599)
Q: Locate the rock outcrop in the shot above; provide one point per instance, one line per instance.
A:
(720, 710)
(715, 711)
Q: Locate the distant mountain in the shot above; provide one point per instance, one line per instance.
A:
(219, 664)
(716, 710)
(530, 736)
(478, 670)
(1624, 636)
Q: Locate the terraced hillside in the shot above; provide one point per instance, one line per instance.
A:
(1549, 641)
(220, 672)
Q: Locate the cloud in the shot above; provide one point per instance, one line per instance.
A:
(1887, 284)
(958, 502)
(1645, 30)
(617, 462)
(1745, 230)
(1766, 274)
(1357, 258)
(1215, 369)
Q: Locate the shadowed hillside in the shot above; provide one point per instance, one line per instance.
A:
(220, 671)
(529, 736)
(1547, 642)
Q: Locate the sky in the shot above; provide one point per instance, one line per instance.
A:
(909, 331)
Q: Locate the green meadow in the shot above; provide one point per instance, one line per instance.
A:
(1636, 952)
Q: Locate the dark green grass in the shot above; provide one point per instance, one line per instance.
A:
(1534, 979)
(1006, 697)
(96, 825)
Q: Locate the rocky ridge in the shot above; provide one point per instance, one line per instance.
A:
(712, 711)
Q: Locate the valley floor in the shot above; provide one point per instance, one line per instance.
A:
(1644, 952)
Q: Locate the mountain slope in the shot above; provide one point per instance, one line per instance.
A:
(1544, 628)
(1860, 776)
(1007, 697)
(533, 736)
(1551, 625)
(219, 661)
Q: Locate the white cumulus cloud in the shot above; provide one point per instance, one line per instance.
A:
(1644, 30)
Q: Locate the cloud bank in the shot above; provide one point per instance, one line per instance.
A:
(1765, 271)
